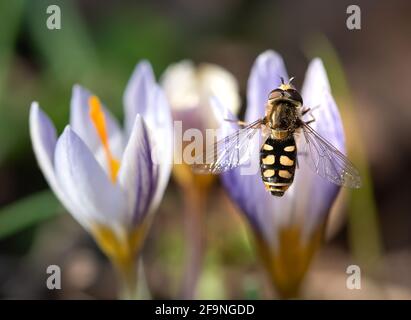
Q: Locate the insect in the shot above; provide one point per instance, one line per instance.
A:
(278, 154)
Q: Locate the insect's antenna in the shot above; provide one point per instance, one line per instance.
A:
(291, 79)
(282, 80)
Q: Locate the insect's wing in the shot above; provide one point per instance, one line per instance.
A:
(329, 163)
(229, 152)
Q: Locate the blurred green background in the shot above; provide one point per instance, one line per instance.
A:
(98, 46)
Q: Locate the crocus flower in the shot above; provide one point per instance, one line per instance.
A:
(188, 89)
(288, 230)
(111, 180)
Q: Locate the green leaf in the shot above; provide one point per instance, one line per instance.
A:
(27, 212)
(10, 20)
(68, 54)
(9, 24)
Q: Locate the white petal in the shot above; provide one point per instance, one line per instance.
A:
(221, 113)
(81, 123)
(138, 96)
(162, 137)
(180, 85)
(138, 174)
(316, 94)
(315, 81)
(44, 139)
(265, 76)
(214, 80)
(314, 194)
(83, 180)
(188, 89)
(218, 82)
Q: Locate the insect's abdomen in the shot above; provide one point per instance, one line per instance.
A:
(277, 163)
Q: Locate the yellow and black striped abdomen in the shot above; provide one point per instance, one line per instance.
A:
(277, 162)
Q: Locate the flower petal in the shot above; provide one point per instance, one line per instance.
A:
(214, 80)
(180, 84)
(316, 93)
(265, 76)
(86, 184)
(138, 174)
(144, 96)
(221, 114)
(217, 81)
(188, 89)
(81, 123)
(317, 194)
(162, 137)
(138, 96)
(44, 139)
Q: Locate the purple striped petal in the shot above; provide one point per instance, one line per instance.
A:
(145, 97)
(138, 175)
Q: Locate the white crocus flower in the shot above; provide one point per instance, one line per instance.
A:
(189, 89)
(110, 180)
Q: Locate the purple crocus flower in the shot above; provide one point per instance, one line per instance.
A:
(288, 229)
(111, 180)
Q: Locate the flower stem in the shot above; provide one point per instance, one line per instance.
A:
(127, 275)
(288, 262)
(123, 250)
(194, 212)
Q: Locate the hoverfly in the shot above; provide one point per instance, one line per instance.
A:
(278, 154)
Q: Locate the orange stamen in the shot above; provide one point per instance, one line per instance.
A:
(97, 117)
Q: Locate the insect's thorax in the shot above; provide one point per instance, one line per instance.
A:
(282, 117)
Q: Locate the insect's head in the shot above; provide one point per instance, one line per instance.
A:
(286, 91)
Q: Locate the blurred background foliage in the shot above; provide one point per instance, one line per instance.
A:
(98, 46)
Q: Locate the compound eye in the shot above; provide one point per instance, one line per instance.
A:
(295, 95)
(276, 93)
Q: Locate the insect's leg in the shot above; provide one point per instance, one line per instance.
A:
(309, 110)
(305, 111)
(311, 120)
(239, 122)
